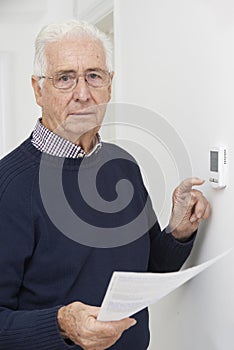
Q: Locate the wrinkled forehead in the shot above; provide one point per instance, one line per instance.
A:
(72, 53)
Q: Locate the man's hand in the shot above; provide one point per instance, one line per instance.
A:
(78, 322)
(189, 208)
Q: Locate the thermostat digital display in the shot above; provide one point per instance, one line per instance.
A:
(218, 167)
(214, 161)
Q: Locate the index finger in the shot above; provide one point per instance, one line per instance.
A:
(187, 184)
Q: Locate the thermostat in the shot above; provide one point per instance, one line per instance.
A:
(218, 167)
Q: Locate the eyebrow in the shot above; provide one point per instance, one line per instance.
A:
(96, 69)
(65, 71)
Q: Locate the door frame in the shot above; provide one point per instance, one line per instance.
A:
(95, 12)
(4, 98)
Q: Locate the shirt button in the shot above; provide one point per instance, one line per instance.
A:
(80, 155)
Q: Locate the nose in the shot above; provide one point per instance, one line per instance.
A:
(81, 92)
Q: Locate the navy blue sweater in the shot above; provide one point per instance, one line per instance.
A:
(41, 268)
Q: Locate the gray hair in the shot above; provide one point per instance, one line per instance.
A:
(73, 28)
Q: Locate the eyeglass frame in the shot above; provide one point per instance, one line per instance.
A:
(76, 80)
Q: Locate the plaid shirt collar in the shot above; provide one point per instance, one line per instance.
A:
(46, 141)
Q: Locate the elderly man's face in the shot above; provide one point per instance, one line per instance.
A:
(81, 110)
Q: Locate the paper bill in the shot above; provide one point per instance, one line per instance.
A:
(130, 292)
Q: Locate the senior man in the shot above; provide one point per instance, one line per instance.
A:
(52, 284)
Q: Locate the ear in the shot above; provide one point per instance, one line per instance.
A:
(110, 86)
(37, 90)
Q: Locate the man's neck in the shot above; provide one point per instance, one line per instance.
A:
(86, 141)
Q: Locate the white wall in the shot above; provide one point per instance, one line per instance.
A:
(20, 21)
(177, 58)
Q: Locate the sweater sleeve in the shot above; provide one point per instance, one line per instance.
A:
(166, 253)
(21, 329)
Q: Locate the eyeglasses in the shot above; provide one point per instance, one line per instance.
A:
(68, 80)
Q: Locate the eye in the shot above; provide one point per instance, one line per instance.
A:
(94, 76)
(64, 78)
